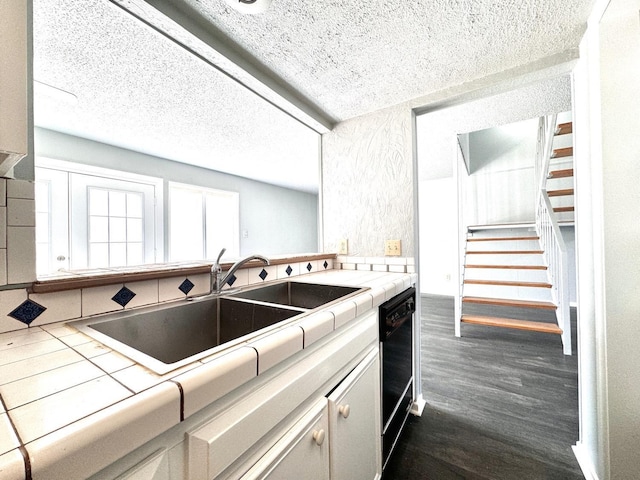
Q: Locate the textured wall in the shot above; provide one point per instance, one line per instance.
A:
(367, 184)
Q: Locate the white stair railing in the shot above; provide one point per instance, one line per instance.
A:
(548, 230)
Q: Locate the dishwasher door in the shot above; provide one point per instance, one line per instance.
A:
(396, 347)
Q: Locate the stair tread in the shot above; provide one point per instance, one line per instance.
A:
(508, 283)
(504, 252)
(510, 302)
(511, 267)
(512, 323)
(563, 209)
(499, 239)
(564, 128)
(562, 152)
(561, 192)
(566, 172)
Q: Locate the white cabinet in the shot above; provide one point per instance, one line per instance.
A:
(337, 439)
(354, 423)
(303, 452)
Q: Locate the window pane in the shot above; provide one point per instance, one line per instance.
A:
(186, 229)
(98, 255)
(42, 258)
(222, 224)
(98, 229)
(117, 204)
(42, 227)
(134, 254)
(117, 254)
(117, 229)
(134, 205)
(98, 202)
(42, 196)
(134, 229)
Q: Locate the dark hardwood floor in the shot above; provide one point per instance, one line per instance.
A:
(501, 404)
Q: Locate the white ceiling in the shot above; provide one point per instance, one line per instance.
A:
(339, 59)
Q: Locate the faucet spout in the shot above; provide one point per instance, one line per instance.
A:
(218, 280)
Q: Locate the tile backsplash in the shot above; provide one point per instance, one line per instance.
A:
(17, 232)
(20, 309)
(376, 264)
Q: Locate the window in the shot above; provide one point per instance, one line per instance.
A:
(89, 217)
(202, 221)
(116, 231)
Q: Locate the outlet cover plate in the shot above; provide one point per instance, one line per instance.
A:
(392, 248)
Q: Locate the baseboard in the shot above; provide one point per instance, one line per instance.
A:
(583, 460)
(418, 406)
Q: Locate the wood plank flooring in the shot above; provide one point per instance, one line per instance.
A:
(501, 404)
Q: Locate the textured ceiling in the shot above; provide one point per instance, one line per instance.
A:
(137, 90)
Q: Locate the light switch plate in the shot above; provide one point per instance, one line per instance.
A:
(392, 248)
(343, 247)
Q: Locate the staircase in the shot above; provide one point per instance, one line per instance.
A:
(505, 272)
(559, 174)
(512, 270)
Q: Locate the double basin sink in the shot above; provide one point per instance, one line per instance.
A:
(167, 336)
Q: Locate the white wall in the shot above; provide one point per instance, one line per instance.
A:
(620, 100)
(438, 236)
(367, 183)
(608, 240)
(278, 220)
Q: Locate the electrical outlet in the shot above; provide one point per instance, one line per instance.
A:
(343, 247)
(392, 248)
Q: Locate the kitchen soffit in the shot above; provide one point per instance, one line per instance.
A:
(343, 59)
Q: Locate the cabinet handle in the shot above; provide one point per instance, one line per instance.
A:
(318, 436)
(344, 410)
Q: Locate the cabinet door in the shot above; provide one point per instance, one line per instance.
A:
(302, 452)
(354, 423)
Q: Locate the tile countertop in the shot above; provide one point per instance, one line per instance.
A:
(69, 403)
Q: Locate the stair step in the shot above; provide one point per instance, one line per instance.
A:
(499, 239)
(508, 302)
(508, 283)
(564, 128)
(504, 252)
(567, 172)
(563, 209)
(562, 152)
(513, 323)
(560, 193)
(509, 267)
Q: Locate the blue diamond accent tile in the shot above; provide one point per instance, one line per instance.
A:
(289, 270)
(263, 274)
(27, 311)
(231, 280)
(186, 286)
(325, 264)
(309, 267)
(123, 296)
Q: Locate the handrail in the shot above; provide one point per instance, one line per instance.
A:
(555, 252)
(546, 132)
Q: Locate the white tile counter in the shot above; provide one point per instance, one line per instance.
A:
(70, 404)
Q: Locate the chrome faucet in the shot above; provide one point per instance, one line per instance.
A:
(218, 279)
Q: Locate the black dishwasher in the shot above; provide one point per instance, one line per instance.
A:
(396, 346)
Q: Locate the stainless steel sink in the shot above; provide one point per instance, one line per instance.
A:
(165, 337)
(297, 294)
